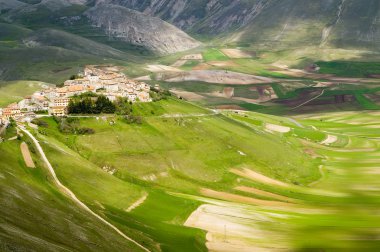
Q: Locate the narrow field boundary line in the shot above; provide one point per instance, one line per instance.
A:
(323, 91)
(73, 196)
(321, 169)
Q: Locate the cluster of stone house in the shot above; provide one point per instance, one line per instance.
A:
(107, 81)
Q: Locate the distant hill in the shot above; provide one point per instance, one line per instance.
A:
(57, 38)
(115, 23)
(131, 30)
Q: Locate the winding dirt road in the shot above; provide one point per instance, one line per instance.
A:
(67, 191)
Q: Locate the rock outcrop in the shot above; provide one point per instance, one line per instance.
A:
(140, 29)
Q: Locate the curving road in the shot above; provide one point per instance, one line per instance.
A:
(72, 195)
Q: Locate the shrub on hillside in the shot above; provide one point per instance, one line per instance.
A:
(123, 106)
(72, 126)
(39, 122)
(85, 131)
(131, 119)
(158, 95)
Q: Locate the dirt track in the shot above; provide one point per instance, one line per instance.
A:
(70, 194)
(236, 53)
(137, 203)
(26, 155)
(191, 96)
(264, 193)
(247, 173)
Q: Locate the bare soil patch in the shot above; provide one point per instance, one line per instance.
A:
(191, 96)
(202, 66)
(197, 56)
(231, 229)
(222, 63)
(179, 63)
(143, 78)
(247, 173)
(277, 128)
(236, 53)
(329, 140)
(219, 76)
(264, 193)
(162, 68)
(27, 156)
(230, 107)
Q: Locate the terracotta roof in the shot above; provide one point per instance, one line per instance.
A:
(75, 88)
(58, 107)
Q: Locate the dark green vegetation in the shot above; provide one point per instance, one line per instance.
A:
(90, 103)
(350, 69)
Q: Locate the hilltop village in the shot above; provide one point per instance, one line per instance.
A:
(102, 80)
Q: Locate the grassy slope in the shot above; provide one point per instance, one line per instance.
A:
(15, 91)
(36, 216)
(112, 195)
(185, 154)
(189, 153)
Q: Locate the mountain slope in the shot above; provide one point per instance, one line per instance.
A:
(340, 23)
(331, 23)
(139, 29)
(205, 16)
(6, 5)
(51, 37)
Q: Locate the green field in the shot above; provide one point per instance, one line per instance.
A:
(214, 54)
(349, 68)
(183, 158)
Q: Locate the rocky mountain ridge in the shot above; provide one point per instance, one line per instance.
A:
(140, 29)
(335, 23)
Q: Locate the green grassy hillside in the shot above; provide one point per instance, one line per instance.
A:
(15, 91)
(37, 216)
(309, 182)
